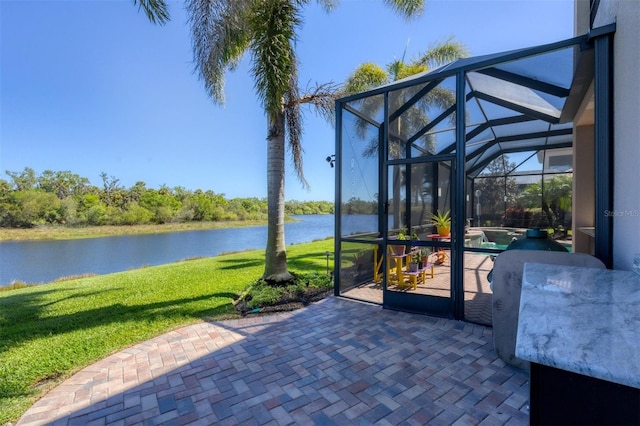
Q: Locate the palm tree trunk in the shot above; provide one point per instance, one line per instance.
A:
(275, 268)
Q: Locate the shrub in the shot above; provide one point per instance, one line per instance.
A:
(96, 215)
(539, 219)
(517, 217)
(302, 289)
(134, 214)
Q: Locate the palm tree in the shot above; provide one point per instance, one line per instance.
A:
(222, 32)
(369, 75)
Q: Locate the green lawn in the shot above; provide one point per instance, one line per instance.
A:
(50, 331)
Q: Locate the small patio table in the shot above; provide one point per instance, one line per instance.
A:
(438, 237)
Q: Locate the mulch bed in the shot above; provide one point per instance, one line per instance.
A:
(287, 303)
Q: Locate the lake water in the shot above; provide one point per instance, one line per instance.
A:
(45, 261)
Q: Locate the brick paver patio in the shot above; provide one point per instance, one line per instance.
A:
(335, 362)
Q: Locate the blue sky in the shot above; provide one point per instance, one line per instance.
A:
(93, 86)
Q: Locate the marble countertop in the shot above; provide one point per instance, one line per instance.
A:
(582, 320)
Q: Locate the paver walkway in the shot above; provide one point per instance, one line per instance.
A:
(334, 362)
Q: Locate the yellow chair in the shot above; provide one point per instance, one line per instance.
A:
(398, 270)
(377, 265)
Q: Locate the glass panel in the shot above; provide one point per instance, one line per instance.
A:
(556, 101)
(359, 172)
(398, 98)
(469, 129)
(526, 210)
(443, 189)
(477, 291)
(553, 141)
(370, 108)
(489, 154)
(428, 186)
(554, 67)
(474, 114)
(568, 125)
(435, 143)
(504, 92)
(527, 162)
(420, 263)
(535, 143)
(540, 202)
(493, 111)
(482, 137)
(361, 271)
(488, 198)
(359, 222)
(557, 196)
(417, 112)
(521, 128)
(397, 199)
(423, 183)
(493, 191)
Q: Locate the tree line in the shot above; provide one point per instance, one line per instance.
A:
(29, 199)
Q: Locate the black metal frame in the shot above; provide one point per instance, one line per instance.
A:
(603, 92)
(598, 41)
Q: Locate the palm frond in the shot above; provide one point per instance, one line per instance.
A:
(328, 5)
(293, 123)
(405, 70)
(365, 77)
(442, 53)
(156, 10)
(274, 25)
(407, 8)
(321, 97)
(219, 37)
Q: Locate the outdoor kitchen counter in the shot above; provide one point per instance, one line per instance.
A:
(580, 329)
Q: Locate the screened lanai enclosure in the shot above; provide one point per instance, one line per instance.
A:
(490, 141)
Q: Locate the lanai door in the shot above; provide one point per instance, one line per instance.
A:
(417, 190)
(419, 157)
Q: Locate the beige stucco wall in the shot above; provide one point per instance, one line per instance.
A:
(626, 97)
(584, 185)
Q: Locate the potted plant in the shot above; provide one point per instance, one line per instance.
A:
(442, 222)
(398, 249)
(424, 255)
(414, 264)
